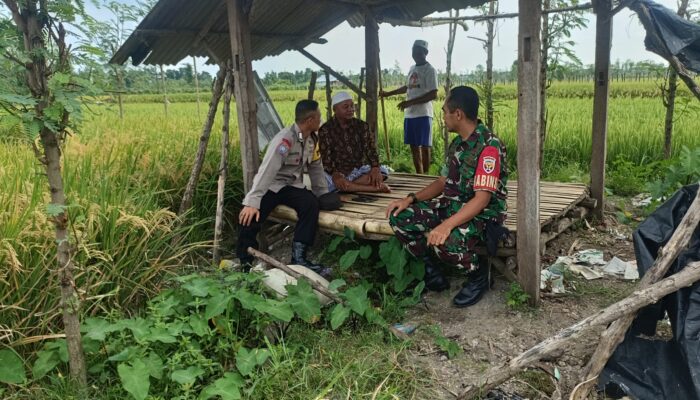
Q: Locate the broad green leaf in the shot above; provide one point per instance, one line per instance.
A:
(349, 233)
(356, 298)
(199, 325)
(417, 269)
(135, 378)
(365, 251)
(216, 305)
(45, 362)
(333, 246)
(415, 296)
(198, 287)
(304, 301)
(155, 365)
(11, 367)
(98, 328)
(125, 355)
(166, 305)
(338, 316)
(160, 335)
(187, 376)
(276, 309)
(336, 284)
(140, 327)
(249, 300)
(228, 387)
(60, 347)
(54, 210)
(401, 282)
(247, 360)
(348, 259)
(373, 316)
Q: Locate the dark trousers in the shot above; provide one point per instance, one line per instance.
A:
(301, 200)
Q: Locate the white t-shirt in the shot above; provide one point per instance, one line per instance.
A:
(421, 80)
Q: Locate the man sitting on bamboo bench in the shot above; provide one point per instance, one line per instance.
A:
(463, 208)
(349, 151)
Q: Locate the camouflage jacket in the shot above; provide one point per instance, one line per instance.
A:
(477, 163)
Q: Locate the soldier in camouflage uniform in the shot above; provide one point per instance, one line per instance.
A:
(451, 214)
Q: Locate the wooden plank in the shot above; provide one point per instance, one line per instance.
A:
(244, 89)
(528, 218)
(603, 34)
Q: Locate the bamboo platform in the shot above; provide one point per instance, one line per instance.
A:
(560, 205)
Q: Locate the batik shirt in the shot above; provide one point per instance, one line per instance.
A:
(478, 163)
(344, 149)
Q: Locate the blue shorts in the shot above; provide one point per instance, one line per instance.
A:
(418, 131)
(356, 173)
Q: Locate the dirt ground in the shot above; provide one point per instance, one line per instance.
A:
(491, 333)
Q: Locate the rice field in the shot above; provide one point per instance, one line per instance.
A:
(124, 178)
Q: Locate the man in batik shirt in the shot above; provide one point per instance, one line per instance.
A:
(349, 151)
(450, 215)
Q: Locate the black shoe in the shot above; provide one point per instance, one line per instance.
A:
(299, 258)
(473, 289)
(246, 264)
(434, 279)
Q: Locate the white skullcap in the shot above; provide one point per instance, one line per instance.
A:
(340, 97)
(421, 43)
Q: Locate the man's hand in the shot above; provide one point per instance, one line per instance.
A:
(247, 214)
(396, 206)
(340, 182)
(375, 177)
(438, 236)
(402, 105)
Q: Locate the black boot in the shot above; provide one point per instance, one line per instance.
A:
(434, 279)
(473, 289)
(299, 258)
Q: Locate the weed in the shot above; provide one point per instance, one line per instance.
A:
(516, 298)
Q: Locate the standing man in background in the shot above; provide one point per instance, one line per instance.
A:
(421, 89)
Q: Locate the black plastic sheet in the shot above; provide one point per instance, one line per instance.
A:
(667, 33)
(645, 368)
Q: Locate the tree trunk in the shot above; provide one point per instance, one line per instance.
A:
(312, 85)
(186, 202)
(38, 72)
(490, 36)
(223, 170)
(640, 298)
(613, 336)
(448, 76)
(196, 85)
(670, 104)
(670, 101)
(544, 83)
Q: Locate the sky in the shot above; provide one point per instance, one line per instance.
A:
(344, 50)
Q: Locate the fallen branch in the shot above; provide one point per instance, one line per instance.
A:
(317, 286)
(689, 275)
(615, 333)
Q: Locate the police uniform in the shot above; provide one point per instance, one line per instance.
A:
(280, 181)
(477, 163)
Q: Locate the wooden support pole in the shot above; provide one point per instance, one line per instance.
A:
(372, 71)
(528, 224)
(497, 375)
(359, 98)
(186, 201)
(196, 84)
(386, 131)
(603, 36)
(312, 85)
(615, 333)
(223, 170)
(329, 108)
(244, 89)
(345, 81)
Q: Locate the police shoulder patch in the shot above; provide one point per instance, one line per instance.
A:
(283, 147)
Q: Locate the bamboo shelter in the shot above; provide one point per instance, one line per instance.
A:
(240, 31)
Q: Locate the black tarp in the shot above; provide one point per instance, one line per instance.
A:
(645, 368)
(667, 33)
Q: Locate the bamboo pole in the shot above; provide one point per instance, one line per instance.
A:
(196, 85)
(223, 169)
(497, 375)
(615, 333)
(386, 131)
(312, 85)
(329, 108)
(359, 98)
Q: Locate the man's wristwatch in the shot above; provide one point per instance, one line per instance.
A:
(413, 197)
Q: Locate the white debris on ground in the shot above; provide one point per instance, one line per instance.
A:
(641, 200)
(588, 263)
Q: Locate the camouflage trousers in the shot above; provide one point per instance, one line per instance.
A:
(413, 224)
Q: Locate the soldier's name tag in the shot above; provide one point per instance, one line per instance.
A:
(487, 170)
(283, 147)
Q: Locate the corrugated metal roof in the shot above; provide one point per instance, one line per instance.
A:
(168, 33)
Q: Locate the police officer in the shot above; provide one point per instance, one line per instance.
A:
(279, 181)
(456, 209)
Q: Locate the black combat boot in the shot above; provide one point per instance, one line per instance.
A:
(299, 258)
(434, 279)
(246, 263)
(474, 288)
